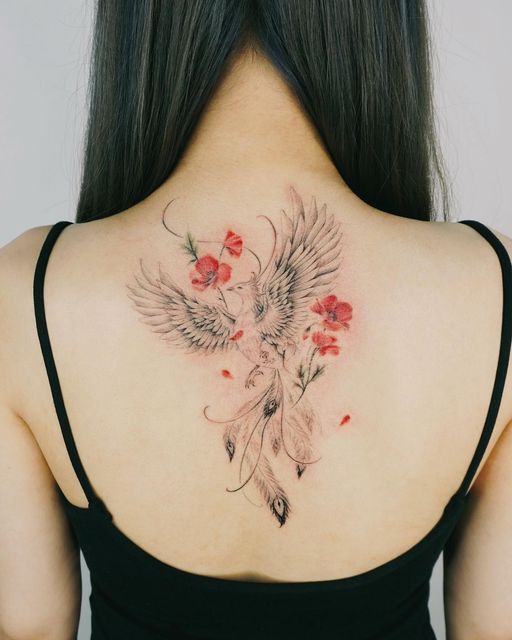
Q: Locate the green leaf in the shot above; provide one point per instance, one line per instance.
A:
(190, 247)
(317, 372)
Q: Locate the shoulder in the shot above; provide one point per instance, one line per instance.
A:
(464, 282)
(18, 259)
(481, 543)
(19, 256)
(469, 232)
(51, 558)
(463, 247)
(467, 242)
(485, 278)
(480, 257)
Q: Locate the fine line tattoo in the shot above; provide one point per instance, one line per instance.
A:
(286, 322)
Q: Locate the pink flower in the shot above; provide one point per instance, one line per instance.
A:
(335, 313)
(325, 343)
(209, 272)
(233, 243)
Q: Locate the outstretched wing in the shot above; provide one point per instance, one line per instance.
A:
(303, 268)
(178, 317)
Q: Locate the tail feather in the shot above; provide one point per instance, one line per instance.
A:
(270, 420)
(271, 491)
(298, 432)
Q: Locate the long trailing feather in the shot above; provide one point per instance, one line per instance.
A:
(247, 434)
(274, 495)
(299, 437)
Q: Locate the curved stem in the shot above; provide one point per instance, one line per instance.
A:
(308, 380)
(177, 235)
(165, 224)
(274, 244)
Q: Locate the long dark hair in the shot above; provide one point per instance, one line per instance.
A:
(361, 70)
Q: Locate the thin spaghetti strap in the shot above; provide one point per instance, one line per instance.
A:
(51, 370)
(504, 351)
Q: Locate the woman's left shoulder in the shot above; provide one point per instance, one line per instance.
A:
(19, 255)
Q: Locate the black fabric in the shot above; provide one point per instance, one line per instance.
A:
(135, 595)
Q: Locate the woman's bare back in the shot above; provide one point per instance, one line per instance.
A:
(311, 425)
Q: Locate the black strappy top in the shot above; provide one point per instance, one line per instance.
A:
(136, 596)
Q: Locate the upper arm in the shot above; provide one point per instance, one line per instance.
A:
(478, 558)
(40, 583)
(478, 566)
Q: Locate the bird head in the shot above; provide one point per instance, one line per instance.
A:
(246, 290)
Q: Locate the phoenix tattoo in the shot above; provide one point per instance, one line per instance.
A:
(285, 320)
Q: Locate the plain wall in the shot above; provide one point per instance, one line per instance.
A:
(43, 65)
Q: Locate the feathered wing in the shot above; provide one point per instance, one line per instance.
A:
(178, 317)
(303, 268)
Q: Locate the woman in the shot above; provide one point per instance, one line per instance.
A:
(258, 382)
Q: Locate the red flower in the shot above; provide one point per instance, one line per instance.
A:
(325, 343)
(233, 243)
(336, 314)
(209, 272)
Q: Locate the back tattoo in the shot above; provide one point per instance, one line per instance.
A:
(284, 319)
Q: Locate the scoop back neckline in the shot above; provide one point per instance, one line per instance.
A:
(452, 508)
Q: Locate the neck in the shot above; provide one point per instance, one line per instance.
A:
(253, 137)
(254, 121)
